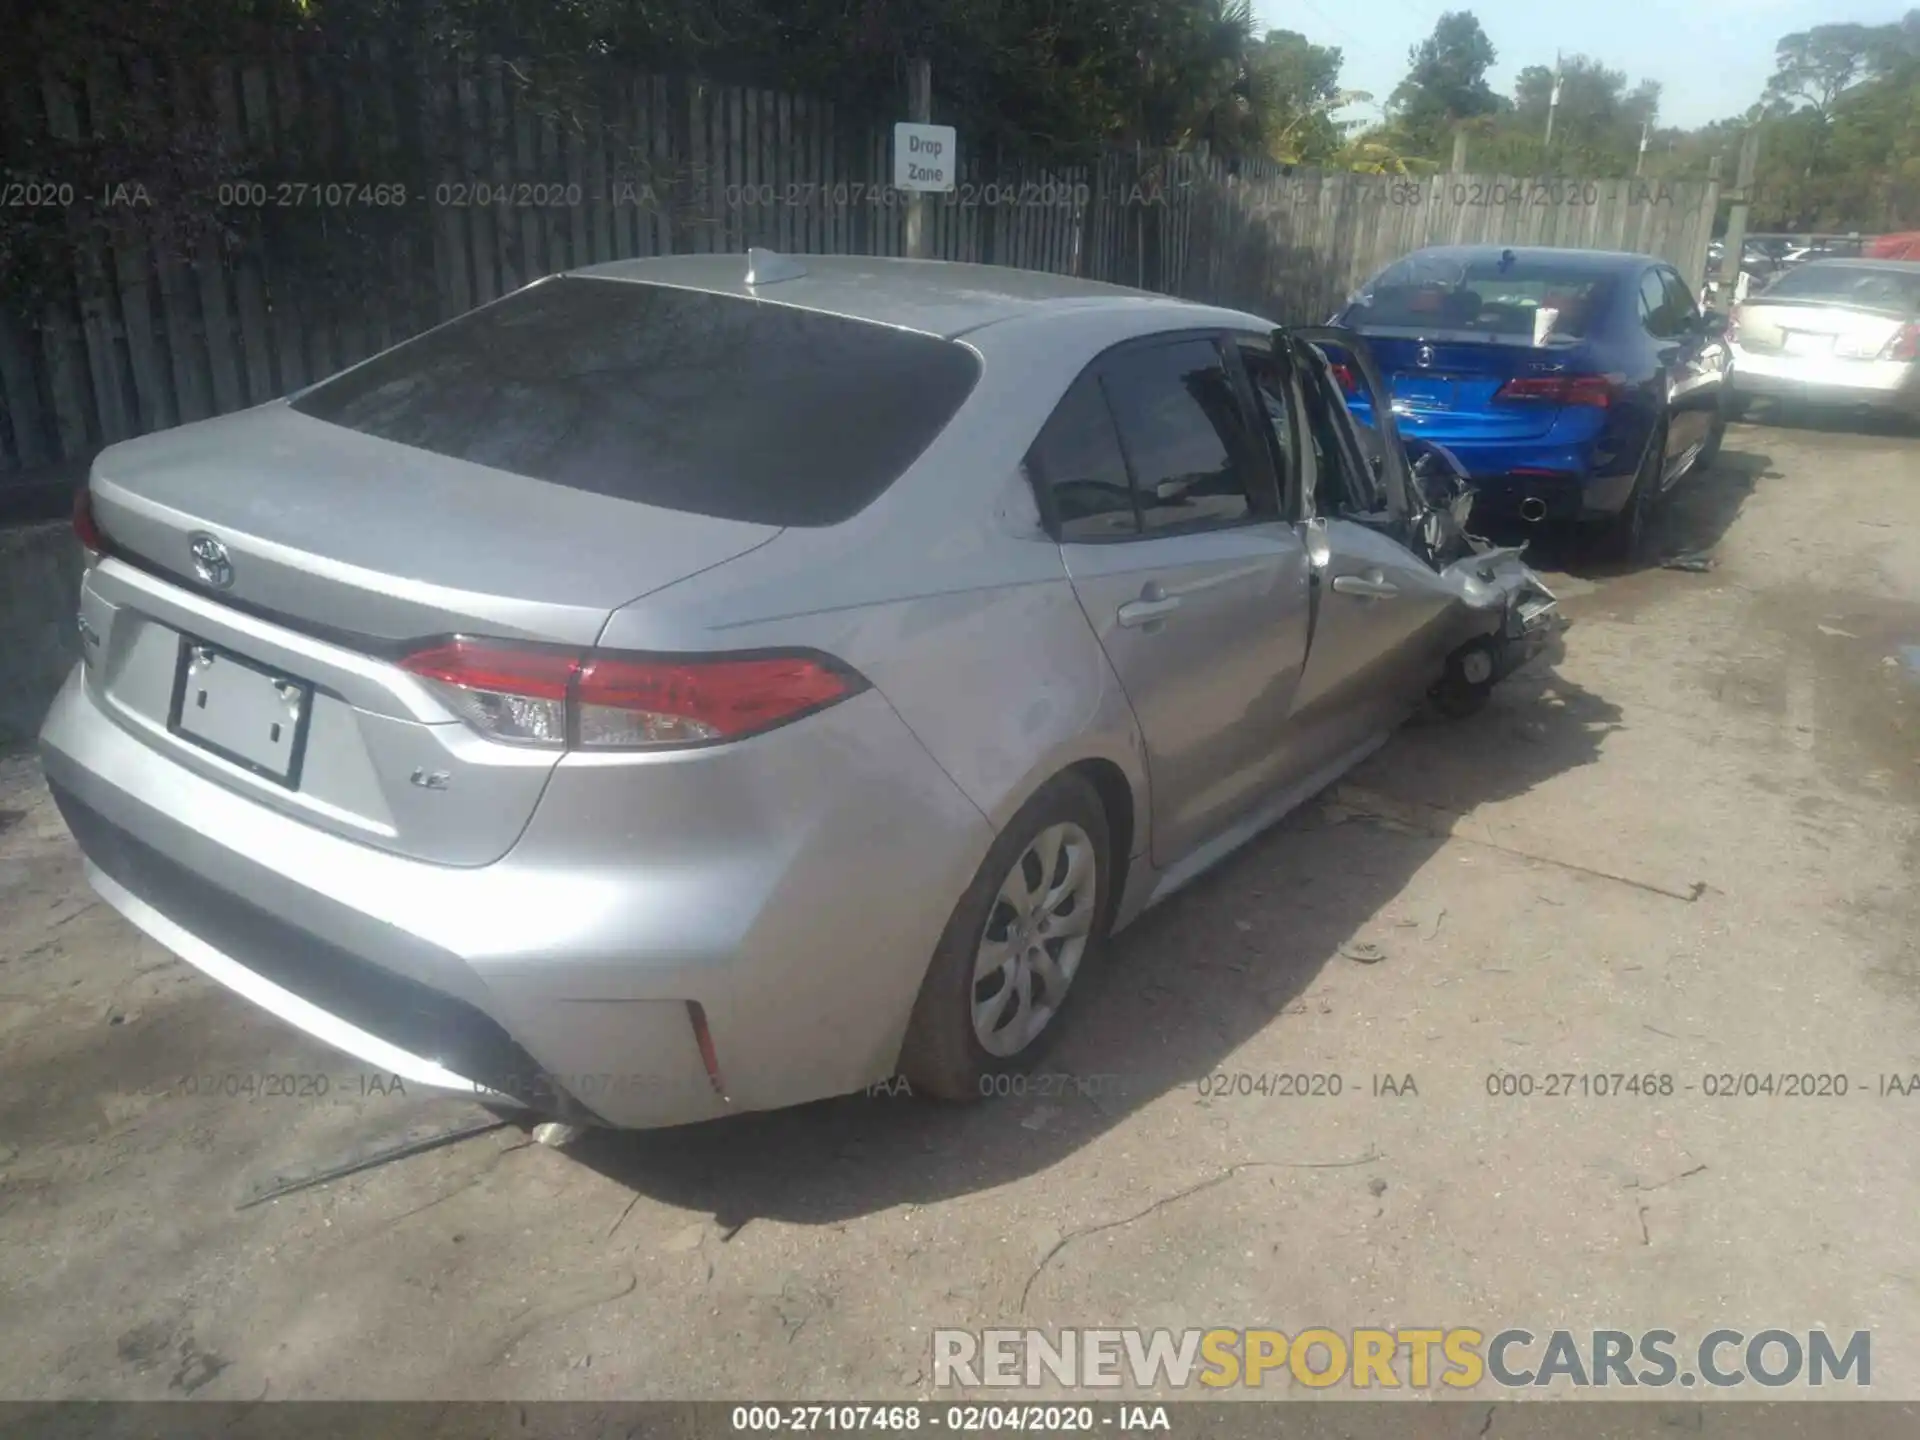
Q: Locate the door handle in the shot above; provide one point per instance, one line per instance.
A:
(1136, 613)
(1364, 586)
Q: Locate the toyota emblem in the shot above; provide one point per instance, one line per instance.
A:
(1425, 356)
(210, 560)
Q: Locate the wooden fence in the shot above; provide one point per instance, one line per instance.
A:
(357, 204)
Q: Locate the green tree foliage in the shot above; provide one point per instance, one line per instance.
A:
(1839, 119)
(1295, 88)
(1446, 83)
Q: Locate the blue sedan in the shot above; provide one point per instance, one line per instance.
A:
(1574, 386)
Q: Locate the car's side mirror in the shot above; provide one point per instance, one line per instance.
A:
(1171, 492)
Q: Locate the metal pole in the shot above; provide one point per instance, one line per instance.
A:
(1459, 164)
(1736, 236)
(1553, 100)
(1640, 160)
(920, 112)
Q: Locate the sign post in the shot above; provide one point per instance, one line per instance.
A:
(926, 157)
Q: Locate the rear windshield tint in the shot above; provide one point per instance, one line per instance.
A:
(1897, 291)
(714, 404)
(1526, 302)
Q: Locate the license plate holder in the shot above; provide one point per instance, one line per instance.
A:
(1422, 394)
(244, 712)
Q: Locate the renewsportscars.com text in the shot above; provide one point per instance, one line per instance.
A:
(1459, 1358)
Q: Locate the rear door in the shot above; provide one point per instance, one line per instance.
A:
(1700, 367)
(1169, 521)
(1670, 324)
(1379, 610)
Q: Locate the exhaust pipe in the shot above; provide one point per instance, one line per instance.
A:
(1533, 509)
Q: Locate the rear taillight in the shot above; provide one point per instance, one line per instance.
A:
(1349, 383)
(505, 692)
(1732, 332)
(85, 528)
(1905, 344)
(559, 699)
(1592, 390)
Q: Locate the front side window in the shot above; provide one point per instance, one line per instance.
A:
(1680, 304)
(1344, 483)
(1185, 437)
(1656, 307)
(1271, 394)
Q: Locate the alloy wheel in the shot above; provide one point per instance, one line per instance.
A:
(1035, 936)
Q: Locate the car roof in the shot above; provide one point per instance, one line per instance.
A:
(939, 297)
(1864, 263)
(1599, 262)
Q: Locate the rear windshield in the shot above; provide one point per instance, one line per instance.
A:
(1893, 290)
(719, 405)
(1526, 302)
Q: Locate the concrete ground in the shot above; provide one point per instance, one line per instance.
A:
(1689, 851)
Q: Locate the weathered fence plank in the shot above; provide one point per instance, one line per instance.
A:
(503, 189)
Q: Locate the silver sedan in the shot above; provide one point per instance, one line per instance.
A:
(704, 684)
(1841, 333)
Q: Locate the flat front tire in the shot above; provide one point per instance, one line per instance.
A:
(1033, 919)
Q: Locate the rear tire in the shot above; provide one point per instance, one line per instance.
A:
(1624, 536)
(1710, 451)
(995, 992)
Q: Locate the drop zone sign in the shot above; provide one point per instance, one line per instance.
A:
(925, 157)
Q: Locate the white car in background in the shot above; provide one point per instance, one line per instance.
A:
(1832, 333)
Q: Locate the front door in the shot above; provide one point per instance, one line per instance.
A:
(1380, 611)
(1170, 525)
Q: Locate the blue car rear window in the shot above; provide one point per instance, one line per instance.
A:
(1530, 301)
(717, 405)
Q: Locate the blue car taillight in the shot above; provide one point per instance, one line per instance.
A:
(1596, 391)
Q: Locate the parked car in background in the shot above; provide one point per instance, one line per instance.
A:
(1576, 386)
(1833, 333)
(1902, 246)
(711, 683)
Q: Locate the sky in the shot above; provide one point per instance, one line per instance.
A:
(1711, 61)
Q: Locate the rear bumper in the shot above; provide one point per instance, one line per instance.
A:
(1878, 384)
(1559, 498)
(1575, 482)
(788, 909)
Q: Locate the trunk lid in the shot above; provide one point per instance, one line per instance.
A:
(1815, 328)
(342, 553)
(343, 533)
(1444, 390)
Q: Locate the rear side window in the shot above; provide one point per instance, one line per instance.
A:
(717, 405)
(1656, 308)
(1185, 436)
(1077, 461)
(1526, 302)
(1679, 300)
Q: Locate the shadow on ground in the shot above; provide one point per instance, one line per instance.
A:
(1832, 419)
(1180, 991)
(1692, 520)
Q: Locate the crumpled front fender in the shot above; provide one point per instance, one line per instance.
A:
(1523, 615)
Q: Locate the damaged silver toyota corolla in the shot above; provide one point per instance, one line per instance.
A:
(703, 684)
